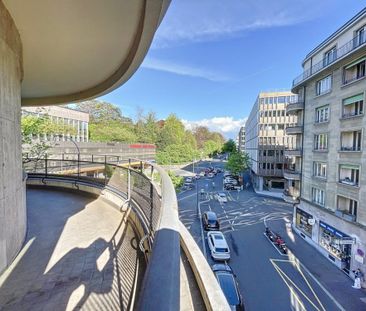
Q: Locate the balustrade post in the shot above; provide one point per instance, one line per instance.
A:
(78, 166)
(45, 165)
(129, 180)
(105, 169)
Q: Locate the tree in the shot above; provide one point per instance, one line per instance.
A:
(147, 128)
(100, 111)
(113, 131)
(238, 162)
(172, 133)
(211, 147)
(229, 146)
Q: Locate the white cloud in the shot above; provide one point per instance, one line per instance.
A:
(228, 126)
(196, 21)
(183, 70)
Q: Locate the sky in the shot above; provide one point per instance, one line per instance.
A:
(209, 59)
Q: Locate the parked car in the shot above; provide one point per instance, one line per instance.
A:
(202, 173)
(218, 246)
(197, 176)
(219, 170)
(221, 197)
(230, 181)
(189, 179)
(230, 186)
(227, 173)
(210, 221)
(229, 285)
(188, 186)
(210, 175)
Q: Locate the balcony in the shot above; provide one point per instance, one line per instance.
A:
(293, 108)
(292, 174)
(294, 130)
(293, 152)
(349, 175)
(291, 195)
(102, 241)
(351, 141)
(344, 50)
(345, 215)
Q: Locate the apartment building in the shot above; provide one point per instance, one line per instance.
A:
(266, 140)
(75, 123)
(330, 157)
(241, 139)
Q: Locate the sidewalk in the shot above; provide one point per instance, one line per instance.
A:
(266, 193)
(333, 279)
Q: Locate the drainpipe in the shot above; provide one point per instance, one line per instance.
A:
(302, 142)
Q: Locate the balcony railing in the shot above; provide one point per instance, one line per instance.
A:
(149, 192)
(294, 107)
(294, 129)
(345, 215)
(348, 115)
(296, 152)
(292, 174)
(344, 50)
(350, 149)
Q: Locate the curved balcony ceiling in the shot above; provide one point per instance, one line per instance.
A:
(75, 50)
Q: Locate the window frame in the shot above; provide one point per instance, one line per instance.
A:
(318, 91)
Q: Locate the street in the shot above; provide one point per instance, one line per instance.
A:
(268, 280)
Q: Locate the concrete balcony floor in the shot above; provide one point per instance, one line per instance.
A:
(79, 253)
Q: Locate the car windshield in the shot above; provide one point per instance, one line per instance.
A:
(227, 283)
(211, 221)
(221, 250)
(222, 195)
(218, 237)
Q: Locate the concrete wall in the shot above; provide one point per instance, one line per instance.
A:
(12, 187)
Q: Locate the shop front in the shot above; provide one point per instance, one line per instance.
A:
(337, 245)
(304, 222)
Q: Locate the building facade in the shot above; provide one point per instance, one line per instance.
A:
(74, 124)
(266, 140)
(331, 214)
(241, 140)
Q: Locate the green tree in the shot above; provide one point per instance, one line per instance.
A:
(238, 162)
(100, 111)
(147, 128)
(172, 133)
(229, 146)
(113, 131)
(211, 147)
(178, 181)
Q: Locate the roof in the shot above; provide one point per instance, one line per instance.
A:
(228, 286)
(77, 50)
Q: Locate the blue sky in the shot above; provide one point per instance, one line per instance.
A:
(210, 58)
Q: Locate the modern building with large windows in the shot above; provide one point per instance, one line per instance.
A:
(241, 139)
(266, 139)
(330, 110)
(76, 122)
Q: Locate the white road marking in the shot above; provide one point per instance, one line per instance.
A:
(188, 196)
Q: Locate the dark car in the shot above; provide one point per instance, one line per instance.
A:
(227, 280)
(210, 221)
(188, 186)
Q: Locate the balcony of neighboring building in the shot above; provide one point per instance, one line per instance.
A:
(346, 208)
(349, 174)
(294, 129)
(293, 152)
(292, 174)
(351, 141)
(295, 107)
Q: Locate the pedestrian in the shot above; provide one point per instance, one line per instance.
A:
(358, 277)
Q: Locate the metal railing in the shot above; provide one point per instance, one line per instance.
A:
(345, 49)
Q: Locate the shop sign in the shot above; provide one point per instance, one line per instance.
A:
(332, 230)
(347, 241)
(360, 252)
(359, 258)
(311, 221)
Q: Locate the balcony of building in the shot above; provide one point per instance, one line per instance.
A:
(292, 174)
(293, 152)
(295, 107)
(354, 71)
(343, 51)
(98, 237)
(349, 175)
(294, 129)
(346, 208)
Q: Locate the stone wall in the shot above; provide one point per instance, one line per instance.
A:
(12, 186)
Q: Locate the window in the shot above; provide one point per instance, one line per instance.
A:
(324, 85)
(318, 196)
(262, 101)
(349, 174)
(320, 169)
(352, 106)
(280, 126)
(322, 114)
(351, 140)
(321, 142)
(271, 100)
(347, 206)
(360, 36)
(270, 153)
(329, 56)
(354, 71)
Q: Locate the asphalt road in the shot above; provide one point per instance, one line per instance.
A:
(268, 280)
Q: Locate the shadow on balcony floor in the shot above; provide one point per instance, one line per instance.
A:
(80, 253)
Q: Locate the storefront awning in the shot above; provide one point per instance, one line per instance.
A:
(355, 62)
(350, 166)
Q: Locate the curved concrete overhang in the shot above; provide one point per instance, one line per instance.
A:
(78, 50)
